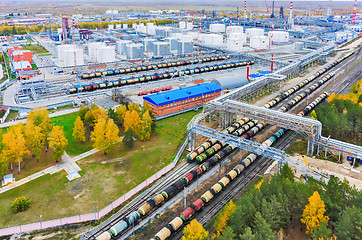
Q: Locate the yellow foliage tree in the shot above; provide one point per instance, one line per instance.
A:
(121, 112)
(313, 115)
(134, 106)
(132, 120)
(195, 231)
(313, 213)
(146, 127)
(34, 137)
(331, 97)
(79, 130)
(258, 185)
(57, 142)
(223, 218)
(94, 114)
(14, 145)
(105, 135)
(40, 117)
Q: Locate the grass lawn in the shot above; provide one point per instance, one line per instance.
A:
(104, 177)
(67, 122)
(35, 48)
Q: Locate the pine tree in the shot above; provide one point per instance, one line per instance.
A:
(287, 172)
(350, 225)
(57, 142)
(195, 231)
(248, 235)
(79, 130)
(223, 218)
(313, 213)
(227, 234)
(321, 232)
(128, 139)
(14, 144)
(262, 228)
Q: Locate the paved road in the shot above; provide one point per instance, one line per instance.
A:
(58, 113)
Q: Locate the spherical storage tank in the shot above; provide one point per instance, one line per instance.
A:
(231, 82)
(278, 36)
(259, 42)
(217, 28)
(251, 32)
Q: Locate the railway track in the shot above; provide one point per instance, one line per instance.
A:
(184, 168)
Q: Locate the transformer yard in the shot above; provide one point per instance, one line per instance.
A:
(248, 81)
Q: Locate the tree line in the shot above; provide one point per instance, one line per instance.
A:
(341, 116)
(102, 127)
(6, 30)
(37, 134)
(266, 211)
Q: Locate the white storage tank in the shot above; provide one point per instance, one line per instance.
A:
(134, 51)
(190, 26)
(182, 24)
(147, 44)
(184, 47)
(251, 32)
(238, 36)
(110, 27)
(106, 54)
(61, 49)
(234, 29)
(92, 50)
(236, 45)
(125, 26)
(217, 28)
(161, 48)
(73, 55)
(121, 46)
(134, 25)
(173, 43)
(193, 35)
(118, 26)
(259, 42)
(278, 36)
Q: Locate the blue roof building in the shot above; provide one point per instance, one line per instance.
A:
(162, 98)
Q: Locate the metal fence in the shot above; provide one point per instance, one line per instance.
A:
(86, 217)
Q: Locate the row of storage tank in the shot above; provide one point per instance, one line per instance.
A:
(176, 223)
(153, 77)
(150, 67)
(239, 128)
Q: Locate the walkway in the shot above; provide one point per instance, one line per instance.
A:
(68, 164)
(56, 114)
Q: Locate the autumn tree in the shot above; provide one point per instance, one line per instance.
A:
(145, 127)
(57, 142)
(134, 106)
(105, 135)
(14, 144)
(83, 111)
(79, 130)
(94, 114)
(195, 231)
(40, 117)
(223, 218)
(35, 138)
(313, 213)
(133, 121)
(121, 112)
(313, 115)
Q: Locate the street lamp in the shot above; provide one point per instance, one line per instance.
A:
(95, 214)
(40, 221)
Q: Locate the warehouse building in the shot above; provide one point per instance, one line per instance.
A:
(181, 100)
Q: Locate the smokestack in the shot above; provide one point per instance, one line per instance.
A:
(272, 62)
(245, 16)
(247, 70)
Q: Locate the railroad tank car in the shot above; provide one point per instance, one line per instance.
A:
(207, 196)
(163, 234)
(172, 190)
(209, 163)
(175, 224)
(124, 223)
(104, 236)
(239, 168)
(224, 181)
(192, 175)
(232, 174)
(187, 213)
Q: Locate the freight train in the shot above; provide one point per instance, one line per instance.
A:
(205, 198)
(138, 68)
(155, 76)
(312, 105)
(240, 129)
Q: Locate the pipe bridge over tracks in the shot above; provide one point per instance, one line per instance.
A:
(312, 129)
(254, 147)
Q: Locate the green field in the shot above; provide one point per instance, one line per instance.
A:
(104, 177)
(67, 122)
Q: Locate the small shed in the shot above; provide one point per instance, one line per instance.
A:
(231, 82)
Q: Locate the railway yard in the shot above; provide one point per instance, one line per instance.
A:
(232, 101)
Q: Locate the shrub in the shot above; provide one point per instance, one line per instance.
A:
(20, 204)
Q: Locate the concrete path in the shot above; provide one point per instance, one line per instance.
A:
(56, 114)
(68, 164)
